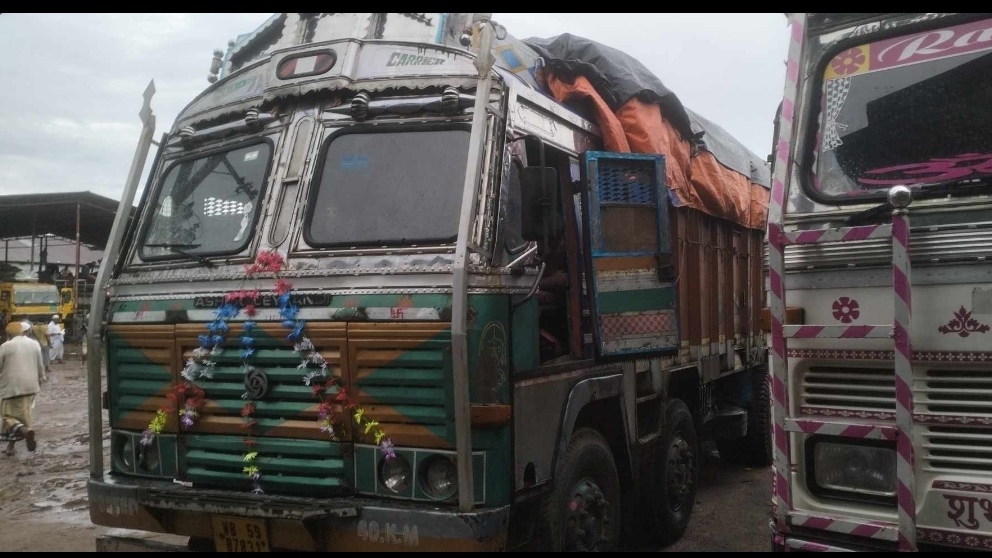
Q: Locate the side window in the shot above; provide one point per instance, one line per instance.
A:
(513, 240)
(286, 206)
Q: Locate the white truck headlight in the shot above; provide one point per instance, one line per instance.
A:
(394, 474)
(440, 478)
(844, 468)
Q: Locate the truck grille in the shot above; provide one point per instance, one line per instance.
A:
(842, 388)
(400, 373)
(958, 449)
(959, 392)
(140, 363)
(286, 466)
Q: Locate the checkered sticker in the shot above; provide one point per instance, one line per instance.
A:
(637, 324)
(213, 207)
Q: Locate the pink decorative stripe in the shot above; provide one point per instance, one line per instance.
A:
(797, 33)
(792, 71)
(778, 192)
(788, 108)
(901, 285)
(781, 440)
(808, 237)
(814, 522)
(962, 486)
(858, 331)
(782, 489)
(900, 230)
(860, 233)
(918, 356)
(902, 341)
(778, 340)
(905, 450)
(836, 332)
(962, 539)
(904, 393)
(778, 390)
(866, 530)
(809, 410)
(775, 283)
(806, 332)
(865, 431)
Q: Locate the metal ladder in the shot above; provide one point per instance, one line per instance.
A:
(904, 533)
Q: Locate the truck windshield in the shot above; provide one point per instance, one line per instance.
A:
(389, 188)
(207, 205)
(28, 295)
(910, 110)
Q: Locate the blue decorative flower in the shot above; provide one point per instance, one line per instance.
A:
(289, 323)
(204, 341)
(247, 353)
(289, 311)
(283, 300)
(247, 341)
(249, 325)
(297, 331)
(217, 340)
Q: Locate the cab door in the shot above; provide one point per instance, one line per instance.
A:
(630, 279)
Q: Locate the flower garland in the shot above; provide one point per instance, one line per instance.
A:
(190, 396)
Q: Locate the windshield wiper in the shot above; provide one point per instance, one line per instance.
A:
(179, 249)
(929, 190)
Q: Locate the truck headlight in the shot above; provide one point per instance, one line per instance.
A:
(125, 452)
(149, 458)
(439, 478)
(394, 474)
(845, 468)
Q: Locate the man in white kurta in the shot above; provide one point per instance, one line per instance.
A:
(56, 340)
(21, 373)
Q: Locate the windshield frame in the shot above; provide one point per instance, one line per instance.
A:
(318, 172)
(810, 130)
(167, 167)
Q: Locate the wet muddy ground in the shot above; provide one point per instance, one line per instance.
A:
(43, 494)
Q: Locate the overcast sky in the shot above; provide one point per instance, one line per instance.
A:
(71, 84)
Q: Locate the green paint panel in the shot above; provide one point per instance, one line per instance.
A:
(264, 445)
(132, 377)
(365, 469)
(404, 395)
(524, 333)
(139, 387)
(282, 464)
(423, 415)
(304, 467)
(636, 301)
(144, 372)
(404, 376)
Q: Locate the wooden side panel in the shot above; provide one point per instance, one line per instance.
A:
(692, 283)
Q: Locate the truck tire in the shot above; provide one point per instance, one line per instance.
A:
(582, 513)
(675, 485)
(754, 449)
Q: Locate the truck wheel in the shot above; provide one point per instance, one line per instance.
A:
(755, 449)
(679, 462)
(582, 513)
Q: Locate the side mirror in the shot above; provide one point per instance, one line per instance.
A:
(539, 207)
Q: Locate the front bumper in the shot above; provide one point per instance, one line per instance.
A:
(330, 524)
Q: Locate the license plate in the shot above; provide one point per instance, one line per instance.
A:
(237, 534)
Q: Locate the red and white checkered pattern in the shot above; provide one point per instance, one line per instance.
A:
(621, 326)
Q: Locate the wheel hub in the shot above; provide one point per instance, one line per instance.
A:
(681, 473)
(587, 520)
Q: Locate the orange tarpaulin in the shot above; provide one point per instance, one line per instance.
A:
(698, 181)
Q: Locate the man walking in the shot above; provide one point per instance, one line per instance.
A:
(21, 372)
(55, 340)
(39, 333)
